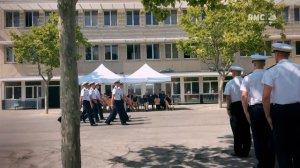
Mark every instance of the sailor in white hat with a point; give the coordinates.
(251, 89)
(239, 124)
(281, 102)
(86, 104)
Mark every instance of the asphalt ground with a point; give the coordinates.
(197, 136)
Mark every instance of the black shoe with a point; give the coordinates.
(94, 124)
(125, 124)
(107, 123)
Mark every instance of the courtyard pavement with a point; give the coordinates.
(196, 136)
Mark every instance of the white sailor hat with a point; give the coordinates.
(236, 68)
(258, 57)
(118, 81)
(84, 83)
(282, 47)
(91, 83)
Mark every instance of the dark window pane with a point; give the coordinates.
(28, 18)
(174, 51)
(87, 19)
(107, 53)
(88, 53)
(156, 51)
(297, 47)
(17, 92)
(206, 87)
(137, 52)
(174, 17)
(149, 51)
(168, 20)
(168, 51)
(114, 18)
(8, 93)
(297, 14)
(286, 14)
(148, 18)
(115, 52)
(35, 18)
(186, 55)
(94, 18)
(95, 53)
(16, 19)
(129, 17)
(155, 22)
(9, 19)
(107, 18)
(136, 17)
(29, 92)
(195, 88)
(130, 53)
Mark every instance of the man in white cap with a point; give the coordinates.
(86, 104)
(239, 124)
(251, 89)
(281, 102)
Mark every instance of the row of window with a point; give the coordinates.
(111, 52)
(90, 18)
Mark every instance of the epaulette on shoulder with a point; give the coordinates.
(271, 67)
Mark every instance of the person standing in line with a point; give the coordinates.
(86, 104)
(117, 105)
(251, 89)
(99, 100)
(239, 124)
(94, 102)
(281, 102)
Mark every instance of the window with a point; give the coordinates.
(90, 18)
(269, 48)
(186, 56)
(298, 48)
(12, 19)
(92, 53)
(111, 52)
(210, 85)
(33, 89)
(171, 51)
(31, 19)
(133, 17)
(150, 19)
(135, 88)
(12, 90)
(191, 89)
(110, 18)
(297, 13)
(133, 52)
(153, 51)
(286, 14)
(172, 19)
(10, 57)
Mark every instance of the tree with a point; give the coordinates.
(70, 125)
(41, 47)
(218, 31)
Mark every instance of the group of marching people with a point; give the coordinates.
(268, 101)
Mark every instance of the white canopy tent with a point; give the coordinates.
(101, 75)
(146, 74)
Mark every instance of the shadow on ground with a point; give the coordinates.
(178, 156)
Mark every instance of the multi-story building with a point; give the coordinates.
(124, 37)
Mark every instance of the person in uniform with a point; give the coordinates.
(86, 104)
(281, 102)
(99, 100)
(117, 105)
(239, 124)
(251, 89)
(93, 100)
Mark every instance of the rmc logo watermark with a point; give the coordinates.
(262, 17)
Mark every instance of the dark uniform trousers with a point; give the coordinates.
(87, 112)
(286, 132)
(262, 137)
(124, 113)
(96, 110)
(117, 109)
(100, 110)
(241, 130)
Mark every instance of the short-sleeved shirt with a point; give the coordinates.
(84, 93)
(97, 93)
(233, 89)
(284, 78)
(92, 93)
(253, 86)
(117, 92)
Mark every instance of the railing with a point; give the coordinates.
(23, 104)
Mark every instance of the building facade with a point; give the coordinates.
(124, 37)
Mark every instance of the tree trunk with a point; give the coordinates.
(220, 98)
(46, 98)
(70, 125)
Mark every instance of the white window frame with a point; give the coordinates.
(153, 19)
(13, 56)
(210, 88)
(111, 53)
(172, 54)
(132, 18)
(13, 92)
(110, 18)
(92, 53)
(12, 19)
(152, 56)
(134, 51)
(90, 17)
(32, 18)
(169, 18)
